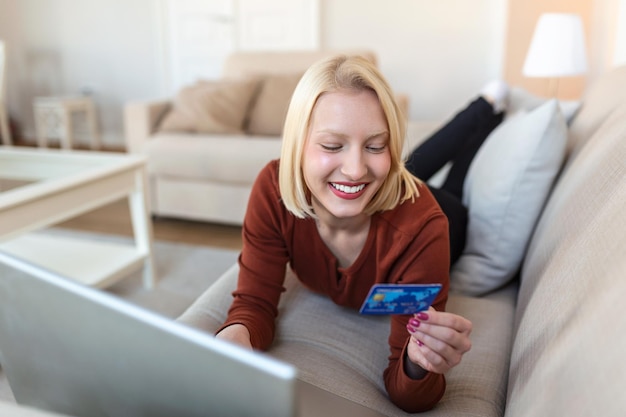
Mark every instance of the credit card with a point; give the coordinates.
(399, 298)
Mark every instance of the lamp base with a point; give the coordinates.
(553, 87)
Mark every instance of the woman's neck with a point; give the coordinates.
(345, 238)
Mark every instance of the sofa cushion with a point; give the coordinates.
(229, 159)
(211, 107)
(343, 352)
(570, 317)
(269, 108)
(505, 190)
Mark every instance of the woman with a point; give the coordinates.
(341, 208)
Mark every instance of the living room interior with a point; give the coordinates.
(119, 55)
(61, 49)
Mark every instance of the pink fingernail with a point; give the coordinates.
(410, 328)
(419, 343)
(414, 323)
(422, 316)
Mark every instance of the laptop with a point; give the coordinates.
(75, 350)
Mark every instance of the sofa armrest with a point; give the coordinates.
(140, 121)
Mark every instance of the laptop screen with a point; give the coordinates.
(76, 350)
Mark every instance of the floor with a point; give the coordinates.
(115, 219)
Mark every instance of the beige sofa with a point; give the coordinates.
(206, 146)
(551, 342)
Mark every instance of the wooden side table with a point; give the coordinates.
(54, 119)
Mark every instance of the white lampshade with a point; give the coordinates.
(557, 48)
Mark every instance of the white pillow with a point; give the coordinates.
(505, 190)
(520, 100)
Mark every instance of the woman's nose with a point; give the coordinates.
(354, 167)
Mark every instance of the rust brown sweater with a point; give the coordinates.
(407, 245)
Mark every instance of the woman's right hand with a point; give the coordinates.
(236, 333)
(438, 340)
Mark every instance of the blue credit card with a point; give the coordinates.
(399, 298)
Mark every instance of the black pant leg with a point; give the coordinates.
(445, 144)
(456, 213)
(461, 163)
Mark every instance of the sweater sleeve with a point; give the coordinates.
(262, 263)
(411, 395)
(425, 261)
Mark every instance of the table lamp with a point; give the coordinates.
(557, 49)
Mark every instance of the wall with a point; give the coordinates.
(439, 53)
(620, 36)
(111, 48)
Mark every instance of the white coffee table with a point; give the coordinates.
(51, 186)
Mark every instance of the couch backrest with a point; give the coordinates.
(570, 331)
(603, 97)
(241, 64)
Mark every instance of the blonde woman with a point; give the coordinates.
(343, 211)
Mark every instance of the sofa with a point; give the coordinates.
(548, 338)
(206, 145)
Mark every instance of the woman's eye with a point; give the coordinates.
(331, 148)
(377, 148)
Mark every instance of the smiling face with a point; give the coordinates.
(346, 156)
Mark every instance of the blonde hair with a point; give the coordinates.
(330, 75)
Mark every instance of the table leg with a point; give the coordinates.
(93, 126)
(67, 132)
(40, 126)
(142, 227)
(5, 128)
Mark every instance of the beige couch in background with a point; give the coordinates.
(549, 342)
(206, 146)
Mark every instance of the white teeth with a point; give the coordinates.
(348, 190)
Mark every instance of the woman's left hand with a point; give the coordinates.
(438, 340)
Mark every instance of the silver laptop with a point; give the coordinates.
(72, 349)
(79, 351)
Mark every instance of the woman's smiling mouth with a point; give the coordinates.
(347, 192)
